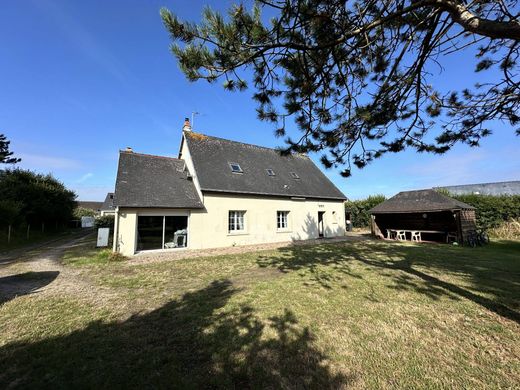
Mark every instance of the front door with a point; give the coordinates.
(320, 223)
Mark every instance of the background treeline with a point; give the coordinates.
(34, 201)
(499, 214)
(358, 209)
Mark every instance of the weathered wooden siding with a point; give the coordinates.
(468, 222)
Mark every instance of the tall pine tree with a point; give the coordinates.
(356, 76)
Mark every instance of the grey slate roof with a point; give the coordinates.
(500, 188)
(88, 204)
(211, 157)
(108, 204)
(151, 181)
(418, 201)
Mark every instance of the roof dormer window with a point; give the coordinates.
(294, 175)
(270, 172)
(235, 168)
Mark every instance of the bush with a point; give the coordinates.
(105, 221)
(83, 212)
(358, 210)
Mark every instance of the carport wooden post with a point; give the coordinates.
(460, 235)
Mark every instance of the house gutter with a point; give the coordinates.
(116, 228)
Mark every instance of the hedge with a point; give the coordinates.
(491, 210)
(358, 210)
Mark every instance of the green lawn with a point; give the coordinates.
(370, 314)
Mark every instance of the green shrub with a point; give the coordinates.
(358, 210)
(83, 212)
(105, 221)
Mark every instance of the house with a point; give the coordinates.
(499, 188)
(90, 205)
(107, 208)
(220, 193)
(429, 212)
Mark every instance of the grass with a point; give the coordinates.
(370, 314)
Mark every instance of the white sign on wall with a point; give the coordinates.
(102, 237)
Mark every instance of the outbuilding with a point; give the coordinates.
(423, 215)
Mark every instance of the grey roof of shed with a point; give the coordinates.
(144, 180)
(211, 158)
(419, 201)
(108, 204)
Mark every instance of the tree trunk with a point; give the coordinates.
(28, 229)
(9, 234)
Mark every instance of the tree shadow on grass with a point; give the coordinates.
(193, 342)
(493, 271)
(22, 284)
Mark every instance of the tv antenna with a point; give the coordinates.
(193, 119)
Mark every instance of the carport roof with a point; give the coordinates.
(419, 201)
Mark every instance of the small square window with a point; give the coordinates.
(270, 172)
(294, 175)
(235, 168)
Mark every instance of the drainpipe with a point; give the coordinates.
(116, 228)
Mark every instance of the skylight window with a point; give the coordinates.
(294, 175)
(235, 168)
(270, 172)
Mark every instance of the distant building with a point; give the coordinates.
(107, 208)
(91, 205)
(500, 188)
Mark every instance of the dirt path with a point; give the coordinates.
(40, 271)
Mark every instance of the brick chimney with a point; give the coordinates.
(187, 125)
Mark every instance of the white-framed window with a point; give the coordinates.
(270, 172)
(294, 175)
(235, 167)
(236, 221)
(282, 220)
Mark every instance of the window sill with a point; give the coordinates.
(283, 231)
(238, 233)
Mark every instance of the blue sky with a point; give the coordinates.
(82, 79)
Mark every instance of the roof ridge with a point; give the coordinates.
(479, 184)
(245, 143)
(150, 155)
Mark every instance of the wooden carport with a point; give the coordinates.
(426, 211)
